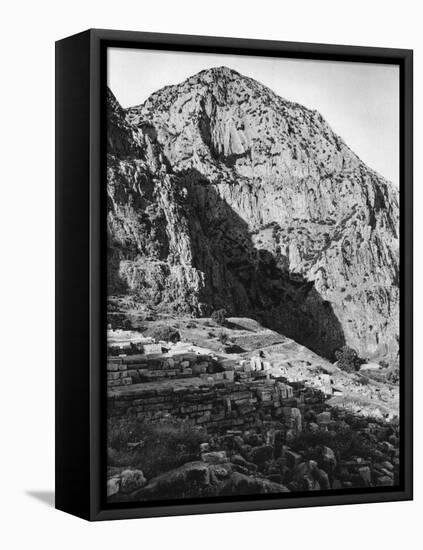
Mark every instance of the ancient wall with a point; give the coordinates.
(133, 369)
(213, 402)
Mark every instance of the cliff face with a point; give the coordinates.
(222, 194)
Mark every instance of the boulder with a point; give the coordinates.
(240, 469)
(260, 455)
(204, 447)
(328, 457)
(131, 480)
(113, 486)
(218, 471)
(309, 477)
(240, 484)
(387, 447)
(366, 475)
(299, 471)
(253, 439)
(245, 451)
(292, 458)
(215, 457)
(323, 418)
(336, 484)
(189, 480)
(240, 461)
(293, 419)
(384, 481)
(322, 478)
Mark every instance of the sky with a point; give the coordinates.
(360, 101)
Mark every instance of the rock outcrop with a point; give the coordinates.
(223, 194)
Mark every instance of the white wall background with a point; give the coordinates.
(28, 32)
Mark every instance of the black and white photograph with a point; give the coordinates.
(253, 276)
(209, 253)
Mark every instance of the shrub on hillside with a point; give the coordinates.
(393, 376)
(223, 337)
(219, 317)
(152, 448)
(167, 334)
(348, 359)
(364, 380)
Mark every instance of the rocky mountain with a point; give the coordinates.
(223, 194)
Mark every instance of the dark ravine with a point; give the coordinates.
(222, 194)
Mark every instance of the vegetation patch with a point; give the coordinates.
(219, 317)
(348, 359)
(152, 448)
(167, 334)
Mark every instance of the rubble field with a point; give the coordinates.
(267, 415)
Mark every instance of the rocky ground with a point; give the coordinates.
(328, 450)
(336, 430)
(366, 391)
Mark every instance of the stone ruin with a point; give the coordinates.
(254, 419)
(215, 392)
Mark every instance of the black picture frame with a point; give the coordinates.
(80, 270)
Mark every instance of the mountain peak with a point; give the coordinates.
(219, 72)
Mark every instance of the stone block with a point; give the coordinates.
(187, 370)
(112, 367)
(323, 418)
(260, 455)
(214, 457)
(199, 368)
(204, 417)
(366, 475)
(292, 458)
(387, 447)
(205, 407)
(113, 486)
(189, 409)
(217, 416)
(240, 395)
(229, 375)
(384, 481)
(131, 480)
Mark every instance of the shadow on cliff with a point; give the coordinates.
(253, 282)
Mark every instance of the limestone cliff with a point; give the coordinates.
(223, 194)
